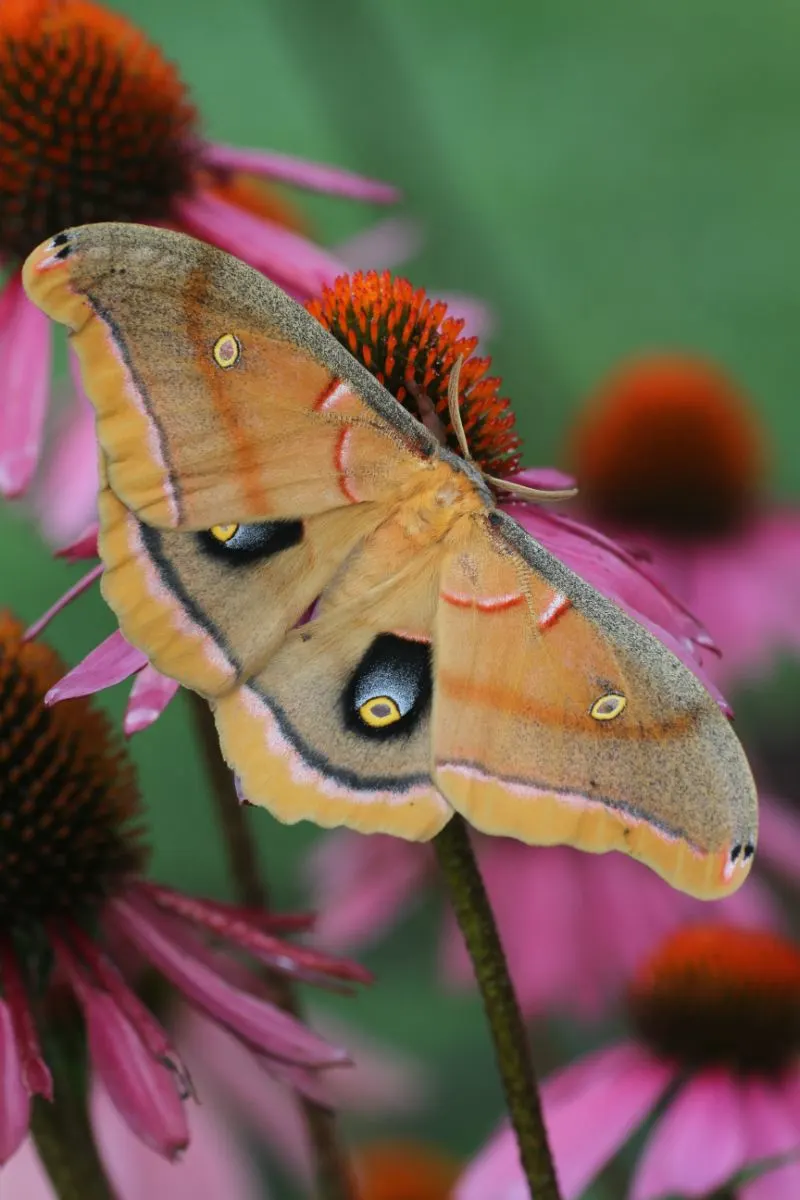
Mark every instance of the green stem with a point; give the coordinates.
(333, 1176)
(64, 1139)
(476, 920)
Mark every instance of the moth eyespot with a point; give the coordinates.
(227, 351)
(379, 711)
(608, 707)
(223, 533)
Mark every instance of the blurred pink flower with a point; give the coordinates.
(671, 460)
(237, 1097)
(574, 926)
(145, 160)
(717, 1038)
(73, 892)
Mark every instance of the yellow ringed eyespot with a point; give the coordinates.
(608, 707)
(379, 711)
(223, 533)
(227, 351)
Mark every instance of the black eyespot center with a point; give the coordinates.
(252, 543)
(389, 692)
(736, 851)
(60, 239)
(749, 851)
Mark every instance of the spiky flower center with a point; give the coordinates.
(669, 446)
(410, 345)
(95, 124)
(69, 805)
(715, 996)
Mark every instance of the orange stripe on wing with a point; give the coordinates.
(339, 456)
(555, 609)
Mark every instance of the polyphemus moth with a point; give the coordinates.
(252, 469)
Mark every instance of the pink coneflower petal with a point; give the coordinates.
(360, 883)
(34, 1071)
(67, 497)
(150, 694)
(772, 1122)
(587, 1124)
(382, 247)
(213, 1167)
(83, 584)
(290, 259)
(591, 1108)
(699, 1143)
(25, 349)
(84, 545)
(256, 1021)
(142, 1090)
(315, 177)
(779, 835)
(15, 1102)
(109, 663)
(548, 478)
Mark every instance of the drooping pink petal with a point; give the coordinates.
(109, 663)
(382, 247)
(213, 1167)
(478, 317)
(379, 1083)
(143, 1088)
(25, 352)
(591, 1108)
(359, 883)
(67, 494)
(15, 1101)
(144, 1091)
(84, 545)
(230, 923)
(546, 478)
(150, 694)
(287, 257)
(77, 589)
(255, 1020)
(699, 1143)
(315, 177)
(35, 1073)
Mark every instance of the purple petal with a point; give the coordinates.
(143, 1091)
(256, 1021)
(698, 1144)
(15, 1104)
(478, 318)
(25, 352)
(215, 1165)
(288, 257)
(77, 589)
(84, 546)
(67, 495)
(315, 177)
(150, 695)
(383, 246)
(546, 478)
(109, 663)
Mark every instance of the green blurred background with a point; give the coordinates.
(609, 178)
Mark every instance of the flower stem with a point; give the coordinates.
(334, 1180)
(63, 1136)
(476, 920)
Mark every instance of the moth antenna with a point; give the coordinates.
(454, 410)
(530, 493)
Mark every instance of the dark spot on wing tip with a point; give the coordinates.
(495, 518)
(60, 239)
(749, 851)
(736, 851)
(63, 253)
